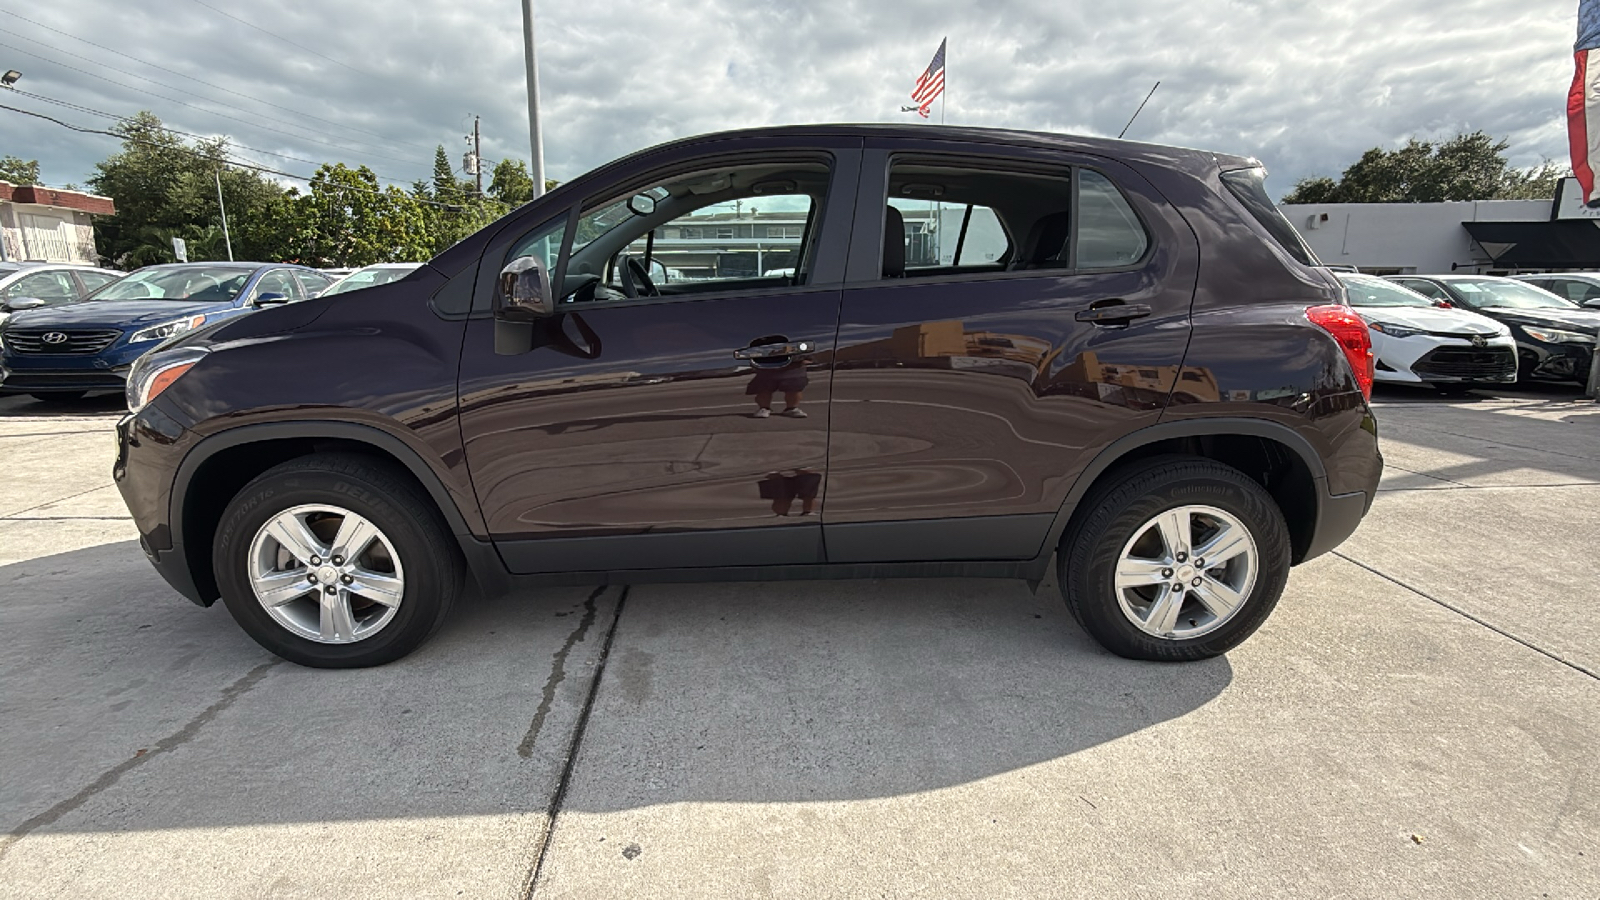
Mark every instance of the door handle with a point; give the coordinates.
(1114, 313)
(768, 351)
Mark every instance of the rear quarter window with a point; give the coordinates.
(1248, 186)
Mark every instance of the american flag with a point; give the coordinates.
(931, 84)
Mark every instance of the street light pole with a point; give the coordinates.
(225, 238)
(535, 140)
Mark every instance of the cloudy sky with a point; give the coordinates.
(1303, 86)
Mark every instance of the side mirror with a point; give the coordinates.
(641, 204)
(523, 297)
(271, 298)
(524, 293)
(18, 304)
(1443, 304)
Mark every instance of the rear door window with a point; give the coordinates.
(963, 218)
(1109, 233)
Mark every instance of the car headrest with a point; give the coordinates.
(894, 243)
(1047, 241)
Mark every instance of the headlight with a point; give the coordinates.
(155, 372)
(167, 329)
(1557, 336)
(1393, 330)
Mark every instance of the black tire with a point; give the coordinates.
(1122, 504)
(372, 489)
(59, 396)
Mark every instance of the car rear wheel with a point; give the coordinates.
(336, 561)
(1175, 559)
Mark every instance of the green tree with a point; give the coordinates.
(1467, 167)
(165, 188)
(348, 220)
(511, 184)
(19, 171)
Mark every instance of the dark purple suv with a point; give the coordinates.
(818, 352)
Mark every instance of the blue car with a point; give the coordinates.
(65, 351)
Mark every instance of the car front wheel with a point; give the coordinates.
(335, 561)
(1175, 559)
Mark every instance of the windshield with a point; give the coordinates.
(205, 284)
(366, 278)
(1364, 290)
(1507, 294)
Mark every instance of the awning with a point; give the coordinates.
(1571, 244)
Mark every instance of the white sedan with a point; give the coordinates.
(371, 276)
(1417, 341)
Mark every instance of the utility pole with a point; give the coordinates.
(226, 239)
(536, 142)
(477, 155)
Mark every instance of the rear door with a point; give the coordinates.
(682, 428)
(1007, 315)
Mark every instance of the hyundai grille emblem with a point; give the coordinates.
(55, 337)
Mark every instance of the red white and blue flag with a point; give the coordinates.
(931, 84)
(1583, 101)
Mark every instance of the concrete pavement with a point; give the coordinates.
(1419, 717)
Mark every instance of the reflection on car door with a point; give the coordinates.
(628, 437)
(967, 398)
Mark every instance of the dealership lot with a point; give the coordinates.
(1421, 716)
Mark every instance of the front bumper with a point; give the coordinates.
(47, 381)
(150, 446)
(1556, 362)
(1437, 359)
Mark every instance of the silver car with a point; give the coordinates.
(30, 285)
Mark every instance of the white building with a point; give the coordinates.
(47, 225)
(1482, 236)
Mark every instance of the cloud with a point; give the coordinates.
(1304, 87)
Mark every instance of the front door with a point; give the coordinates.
(1019, 313)
(674, 412)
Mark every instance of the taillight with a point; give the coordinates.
(1351, 332)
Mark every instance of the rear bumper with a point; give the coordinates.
(1338, 516)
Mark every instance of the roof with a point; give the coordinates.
(1564, 244)
(93, 204)
(1137, 150)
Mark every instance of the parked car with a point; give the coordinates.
(532, 408)
(371, 276)
(1555, 337)
(31, 285)
(66, 351)
(1582, 288)
(1419, 340)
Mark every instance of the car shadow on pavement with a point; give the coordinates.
(109, 403)
(128, 708)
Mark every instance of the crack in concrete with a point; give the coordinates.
(26, 509)
(1466, 615)
(110, 777)
(558, 673)
(559, 798)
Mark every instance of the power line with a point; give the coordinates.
(201, 108)
(226, 159)
(201, 80)
(199, 137)
(286, 40)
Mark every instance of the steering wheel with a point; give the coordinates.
(636, 278)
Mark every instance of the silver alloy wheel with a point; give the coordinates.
(1186, 572)
(326, 574)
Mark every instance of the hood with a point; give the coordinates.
(121, 314)
(1431, 318)
(1586, 321)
